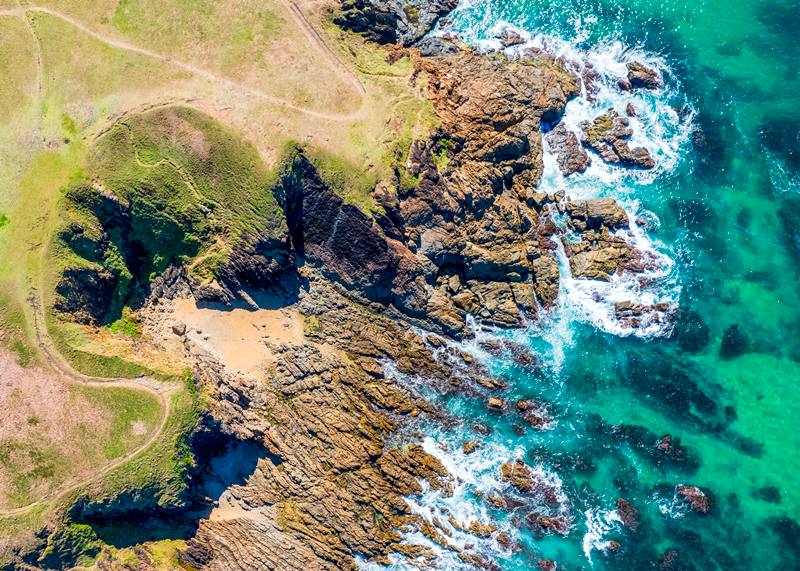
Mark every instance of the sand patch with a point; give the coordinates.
(138, 428)
(240, 337)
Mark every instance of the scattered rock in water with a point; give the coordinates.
(510, 38)
(179, 328)
(548, 524)
(631, 519)
(629, 110)
(471, 446)
(535, 414)
(734, 342)
(696, 498)
(607, 136)
(666, 452)
(643, 77)
(496, 405)
(520, 476)
(570, 154)
(691, 332)
(546, 565)
(613, 545)
(625, 85)
(634, 315)
(491, 346)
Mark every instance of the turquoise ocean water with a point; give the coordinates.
(722, 213)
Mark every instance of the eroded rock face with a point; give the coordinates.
(571, 156)
(393, 21)
(321, 418)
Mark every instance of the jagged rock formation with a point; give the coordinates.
(327, 487)
(393, 21)
(607, 135)
(571, 156)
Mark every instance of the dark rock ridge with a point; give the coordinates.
(392, 21)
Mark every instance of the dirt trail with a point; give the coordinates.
(196, 70)
(317, 39)
(160, 389)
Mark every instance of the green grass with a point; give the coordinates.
(193, 190)
(346, 178)
(68, 343)
(123, 407)
(16, 331)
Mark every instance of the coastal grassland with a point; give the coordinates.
(18, 64)
(257, 44)
(155, 479)
(55, 432)
(84, 78)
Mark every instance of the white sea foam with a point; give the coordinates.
(657, 126)
(598, 524)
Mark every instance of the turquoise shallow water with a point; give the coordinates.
(723, 212)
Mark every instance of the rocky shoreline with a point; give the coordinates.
(464, 232)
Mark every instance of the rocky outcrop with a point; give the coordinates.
(85, 294)
(607, 136)
(599, 255)
(327, 484)
(571, 156)
(642, 76)
(392, 21)
(696, 498)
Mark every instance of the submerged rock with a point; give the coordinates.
(696, 498)
(734, 342)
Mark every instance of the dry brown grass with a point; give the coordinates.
(54, 432)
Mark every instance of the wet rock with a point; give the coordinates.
(613, 545)
(595, 213)
(548, 524)
(546, 565)
(624, 85)
(696, 498)
(629, 110)
(734, 342)
(535, 413)
(629, 515)
(641, 76)
(607, 135)
(496, 405)
(570, 154)
(510, 38)
(631, 314)
(471, 446)
(599, 256)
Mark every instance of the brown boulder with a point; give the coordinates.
(496, 404)
(641, 76)
(510, 38)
